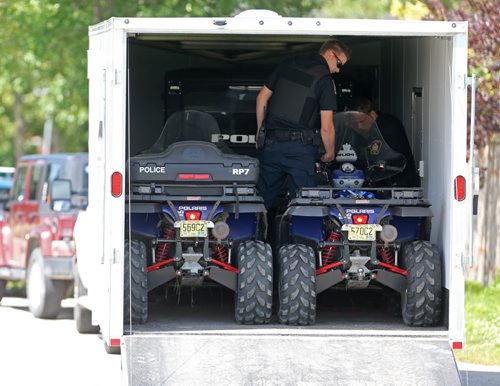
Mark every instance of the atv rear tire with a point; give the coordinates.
(421, 303)
(135, 298)
(254, 295)
(297, 285)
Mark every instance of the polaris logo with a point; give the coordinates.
(234, 138)
(367, 211)
(152, 169)
(241, 172)
(192, 208)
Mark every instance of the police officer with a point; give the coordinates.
(394, 134)
(298, 90)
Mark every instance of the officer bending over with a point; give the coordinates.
(288, 105)
(394, 134)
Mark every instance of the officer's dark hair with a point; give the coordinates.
(362, 104)
(337, 46)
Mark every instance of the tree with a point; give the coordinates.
(484, 40)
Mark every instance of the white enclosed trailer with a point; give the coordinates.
(416, 70)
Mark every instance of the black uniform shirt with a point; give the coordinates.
(324, 91)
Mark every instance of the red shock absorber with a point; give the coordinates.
(220, 253)
(386, 255)
(162, 249)
(328, 251)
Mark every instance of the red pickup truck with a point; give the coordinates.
(36, 227)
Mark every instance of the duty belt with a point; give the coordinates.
(306, 136)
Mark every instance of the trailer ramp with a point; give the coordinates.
(288, 356)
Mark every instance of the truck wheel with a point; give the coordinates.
(421, 303)
(254, 295)
(3, 284)
(297, 285)
(135, 298)
(44, 294)
(81, 315)
(113, 350)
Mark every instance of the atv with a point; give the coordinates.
(194, 218)
(357, 231)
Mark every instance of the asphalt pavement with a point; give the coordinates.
(51, 352)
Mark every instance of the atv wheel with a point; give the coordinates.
(421, 303)
(135, 298)
(44, 294)
(254, 295)
(297, 285)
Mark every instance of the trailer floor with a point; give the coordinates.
(355, 340)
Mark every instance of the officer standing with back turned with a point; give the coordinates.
(299, 89)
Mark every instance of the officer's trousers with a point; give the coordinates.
(281, 159)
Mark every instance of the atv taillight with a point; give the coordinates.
(192, 215)
(194, 177)
(360, 219)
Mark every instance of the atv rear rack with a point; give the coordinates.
(383, 196)
(162, 192)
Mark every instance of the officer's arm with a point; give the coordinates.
(261, 105)
(328, 135)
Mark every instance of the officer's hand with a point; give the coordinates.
(328, 157)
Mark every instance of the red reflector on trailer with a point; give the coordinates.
(460, 188)
(114, 342)
(194, 177)
(192, 215)
(116, 184)
(360, 219)
(457, 345)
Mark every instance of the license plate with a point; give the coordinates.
(365, 232)
(193, 229)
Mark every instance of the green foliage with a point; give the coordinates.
(482, 319)
(409, 10)
(356, 9)
(484, 40)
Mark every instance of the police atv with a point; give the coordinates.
(194, 218)
(356, 233)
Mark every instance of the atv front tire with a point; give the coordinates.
(421, 303)
(254, 295)
(297, 285)
(136, 283)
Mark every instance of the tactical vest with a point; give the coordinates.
(293, 98)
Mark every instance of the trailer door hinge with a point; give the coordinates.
(118, 77)
(116, 256)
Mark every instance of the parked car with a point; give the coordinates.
(36, 231)
(6, 179)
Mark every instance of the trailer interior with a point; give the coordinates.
(222, 74)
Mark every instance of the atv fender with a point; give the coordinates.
(308, 211)
(143, 207)
(245, 208)
(411, 211)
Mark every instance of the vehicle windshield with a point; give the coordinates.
(358, 136)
